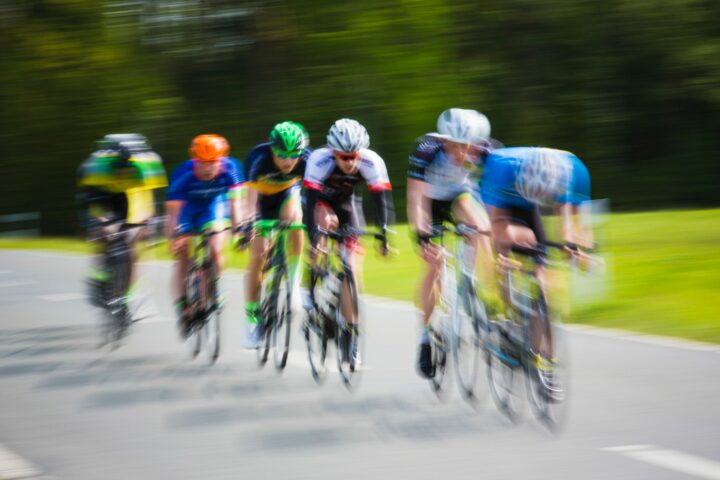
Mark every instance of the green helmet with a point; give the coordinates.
(288, 138)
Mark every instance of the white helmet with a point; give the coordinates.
(543, 176)
(463, 126)
(347, 135)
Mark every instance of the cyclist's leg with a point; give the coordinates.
(187, 225)
(267, 210)
(217, 221)
(291, 211)
(430, 287)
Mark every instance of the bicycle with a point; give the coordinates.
(203, 297)
(511, 345)
(275, 294)
(463, 311)
(332, 285)
(112, 294)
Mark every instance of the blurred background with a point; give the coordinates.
(632, 87)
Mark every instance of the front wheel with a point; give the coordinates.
(504, 372)
(548, 378)
(348, 340)
(281, 330)
(211, 329)
(469, 315)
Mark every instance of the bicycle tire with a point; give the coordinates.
(283, 320)
(439, 357)
(194, 280)
(504, 373)
(266, 321)
(549, 408)
(117, 313)
(212, 325)
(347, 338)
(316, 338)
(467, 340)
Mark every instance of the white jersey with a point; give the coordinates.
(323, 174)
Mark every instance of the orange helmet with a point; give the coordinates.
(209, 148)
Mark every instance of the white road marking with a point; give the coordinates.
(17, 283)
(671, 459)
(13, 466)
(62, 297)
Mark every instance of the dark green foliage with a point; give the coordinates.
(630, 86)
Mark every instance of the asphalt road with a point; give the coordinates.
(640, 408)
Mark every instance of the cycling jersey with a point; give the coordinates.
(265, 177)
(205, 201)
(323, 175)
(326, 182)
(570, 182)
(447, 180)
(119, 190)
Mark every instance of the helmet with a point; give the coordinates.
(463, 126)
(209, 148)
(542, 176)
(347, 135)
(289, 138)
(124, 145)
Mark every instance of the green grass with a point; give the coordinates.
(663, 272)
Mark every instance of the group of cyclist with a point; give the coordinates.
(458, 174)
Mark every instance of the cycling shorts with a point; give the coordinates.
(269, 206)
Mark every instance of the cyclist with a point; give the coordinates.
(515, 183)
(274, 171)
(116, 187)
(201, 198)
(333, 172)
(440, 188)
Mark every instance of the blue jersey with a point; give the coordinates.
(524, 177)
(184, 185)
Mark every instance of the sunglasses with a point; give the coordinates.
(287, 155)
(347, 157)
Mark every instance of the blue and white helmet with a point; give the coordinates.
(463, 126)
(347, 135)
(543, 176)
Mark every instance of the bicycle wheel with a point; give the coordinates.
(118, 315)
(211, 327)
(193, 284)
(504, 372)
(439, 356)
(467, 339)
(265, 323)
(547, 384)
(348, 340)
(316, 338)
(281, 329)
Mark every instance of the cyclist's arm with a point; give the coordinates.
(383, 206)
(250, 204)
(172, 209)
(312, 194)
(418, 205)
(235, 199)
